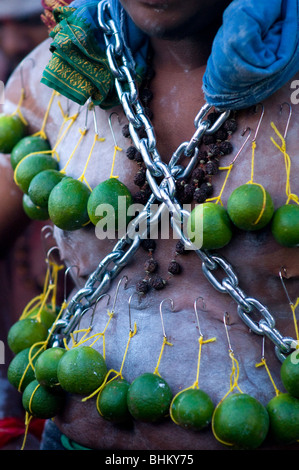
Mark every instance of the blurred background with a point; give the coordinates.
(21, 30)
(24, 24)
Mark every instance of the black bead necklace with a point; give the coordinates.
(196, 188)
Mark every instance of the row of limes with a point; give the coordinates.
(48, 192)
(250, 208)
(44, 375)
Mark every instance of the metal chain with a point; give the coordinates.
(125, 249)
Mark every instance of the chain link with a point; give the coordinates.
(164, 192)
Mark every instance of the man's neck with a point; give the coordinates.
(182, 55)
(185, 53)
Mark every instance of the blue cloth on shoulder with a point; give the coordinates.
(254, 53)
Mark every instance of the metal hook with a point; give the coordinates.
(21, 72)
(161, 315)
(129, 303)
(48, 262)
(111, 128)
(289, 117)
(225, 318)
(196, 313)
(117, 289)
(284, 287)
(65, 279)
(259, 122)
(86, 118)
(263, 347)
(243, 145)
(44, 236)
(94, 119)
(95, 306)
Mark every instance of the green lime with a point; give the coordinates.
(46, 367)
(41, 186)
(33, 211)
(40, 402)
(12, 130)
(149, 398)
(250, 207)
(112, 401)
(283, 411)
(285, 225)
(109, 192)
(25, 333)
(192, 409)
(209, 226)
(47, 314)
(30, 166)
(20, 372)
(27, 145)
(289, 373)
(241, 421)
(67, 204)
(81, 370)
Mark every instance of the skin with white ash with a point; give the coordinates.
(256, 257)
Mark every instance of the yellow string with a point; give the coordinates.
(264, 363)
(253, 147)
(117, 374)
(116, 149)
(287, 160)
(28, 419)
(86, 338)
(18, 108)
(201, 341)
(53, 151)
(234, 376)
(61, 134)
(165, 342)
(42, 132)
(293, 308)
(82, 134)
(82, 177)
(218, 198)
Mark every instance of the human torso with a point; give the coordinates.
(256, 258)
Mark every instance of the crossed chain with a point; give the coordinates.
(100, 280)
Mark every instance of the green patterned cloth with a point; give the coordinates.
(78, 68)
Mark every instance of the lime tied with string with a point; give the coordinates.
(241, 421)
(285, 225)
(21, 370)
(30, 166)
(110, 192)
(13, 127)
(81, 370)
(28, 145)
(209, 226)
(193, 408)
(149, 398)
(26, 332)
(12, 130)
(250, 207)
(46, 367)
(283, 411)
(289, 373)
(41, 186)
(67, 204)
(33, 211)
(112, 401)
(40, 402)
